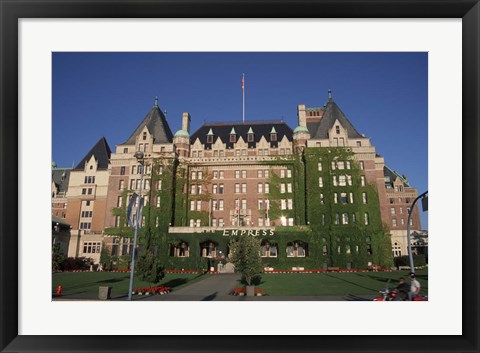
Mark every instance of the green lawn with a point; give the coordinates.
(361, 283)
(88, 282)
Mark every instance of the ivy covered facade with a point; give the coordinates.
(315, 196)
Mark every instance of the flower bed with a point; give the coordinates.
(241, 291)
(152, 290)
(325, 271)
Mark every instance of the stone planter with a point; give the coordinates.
(250, 291)
(104, 293)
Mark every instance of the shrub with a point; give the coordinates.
(75, 264)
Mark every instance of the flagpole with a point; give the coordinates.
(243, 97)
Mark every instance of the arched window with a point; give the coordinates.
(268, 250)
(297, 249)
(180, 249)
(208, 249)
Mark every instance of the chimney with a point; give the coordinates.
(186, 122)
(302, 115)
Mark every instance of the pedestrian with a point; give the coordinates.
(402, 289)
(414, 287)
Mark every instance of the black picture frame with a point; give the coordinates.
(12, 10)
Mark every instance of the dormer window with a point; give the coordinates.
(337, 129)
(210, 136)
(250, 135)
(273, 134)
(233, 135)
(144, 136)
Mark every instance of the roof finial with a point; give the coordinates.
(156, 101)
(329, 94)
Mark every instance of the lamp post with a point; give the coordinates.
(412, 268)
(139, 156)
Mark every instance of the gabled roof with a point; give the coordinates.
(102, 153)
(223, 130)
(319, 129)
(156, 124)
(393, 175)
(60, 177)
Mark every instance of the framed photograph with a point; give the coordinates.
(53, 53)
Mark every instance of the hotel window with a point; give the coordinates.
(209, 139)
(199, 189)
(349, 180)
(192, 205)
(199, 205)
(266, 152)
(194, 175)
(342, 180)
(283, 204)
(260, 204)
(359, 144)
(362, 165)
(296, 249)
(268, 250)
(321, 199)
(192, 223)
(233, 138)
(117, 221)
(335, 141)
(341, 165)
(180, 250)
(244, 152)
(348, 164)
(319, 166)
(222, 153)
(159, 185)
(237, 153)
(267, 174)
(125, 150)
(214, 188)
(193, 189)
(323, 219)
(335, 198)
(134, 169)
(222, 173)
(362, 180)
(199, 154)
(407, 200)
(366, 218)
(194, 155)
(273, 137)
(289, 187)
(139, 182)
(259, 173)
(220, 189)
(244, 204)
(343, 197)
(237, 188)
(320, 182)
(411, 222)
(214, 222)
(394, 222)
(344, 218)
(119, 201)
(282, 173)
(290, 204)
(337, 218)
(282, 150)
(392, 200)
(244, 174)
(160, 170)
(260, 152)
(214, 205)
(220, 205)
(342, 141)
(289, 173)
(392, 210)
(324, 250)
(147, 184)
(122, 170)
(288, 151)
(267, 188)
(401, 210)
(354, 218)
(237, 174)
(199, 175)
(215, 174)
(89, 191)
(364, 197)
(337, 129)
(260, 222)
(334, 179)
(244, 188)
(260, 188)
(334, 165)
(132, 184)
(215, 153)
(221, 223)
(199, 223)
(402, 221)
(282, 188)
(250, 137)
(158, 201)
(84, 191)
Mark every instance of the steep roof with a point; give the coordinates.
(393, 175)
(60, 177)
(319, 129)
(156, 124)
(259, 129)
(102, 153)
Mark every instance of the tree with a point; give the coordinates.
(246, 256)
(149, 268)
(57, 257)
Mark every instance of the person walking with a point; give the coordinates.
(414, 287)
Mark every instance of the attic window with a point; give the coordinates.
(233, 138)
(209, 138)
(337, 129)
(144, 137)
(273, 137)
(250, 137)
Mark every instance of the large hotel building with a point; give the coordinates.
(317, 196)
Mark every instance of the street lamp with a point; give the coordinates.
(422, 196)
(140, 158)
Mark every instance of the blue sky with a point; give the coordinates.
(384, 95)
